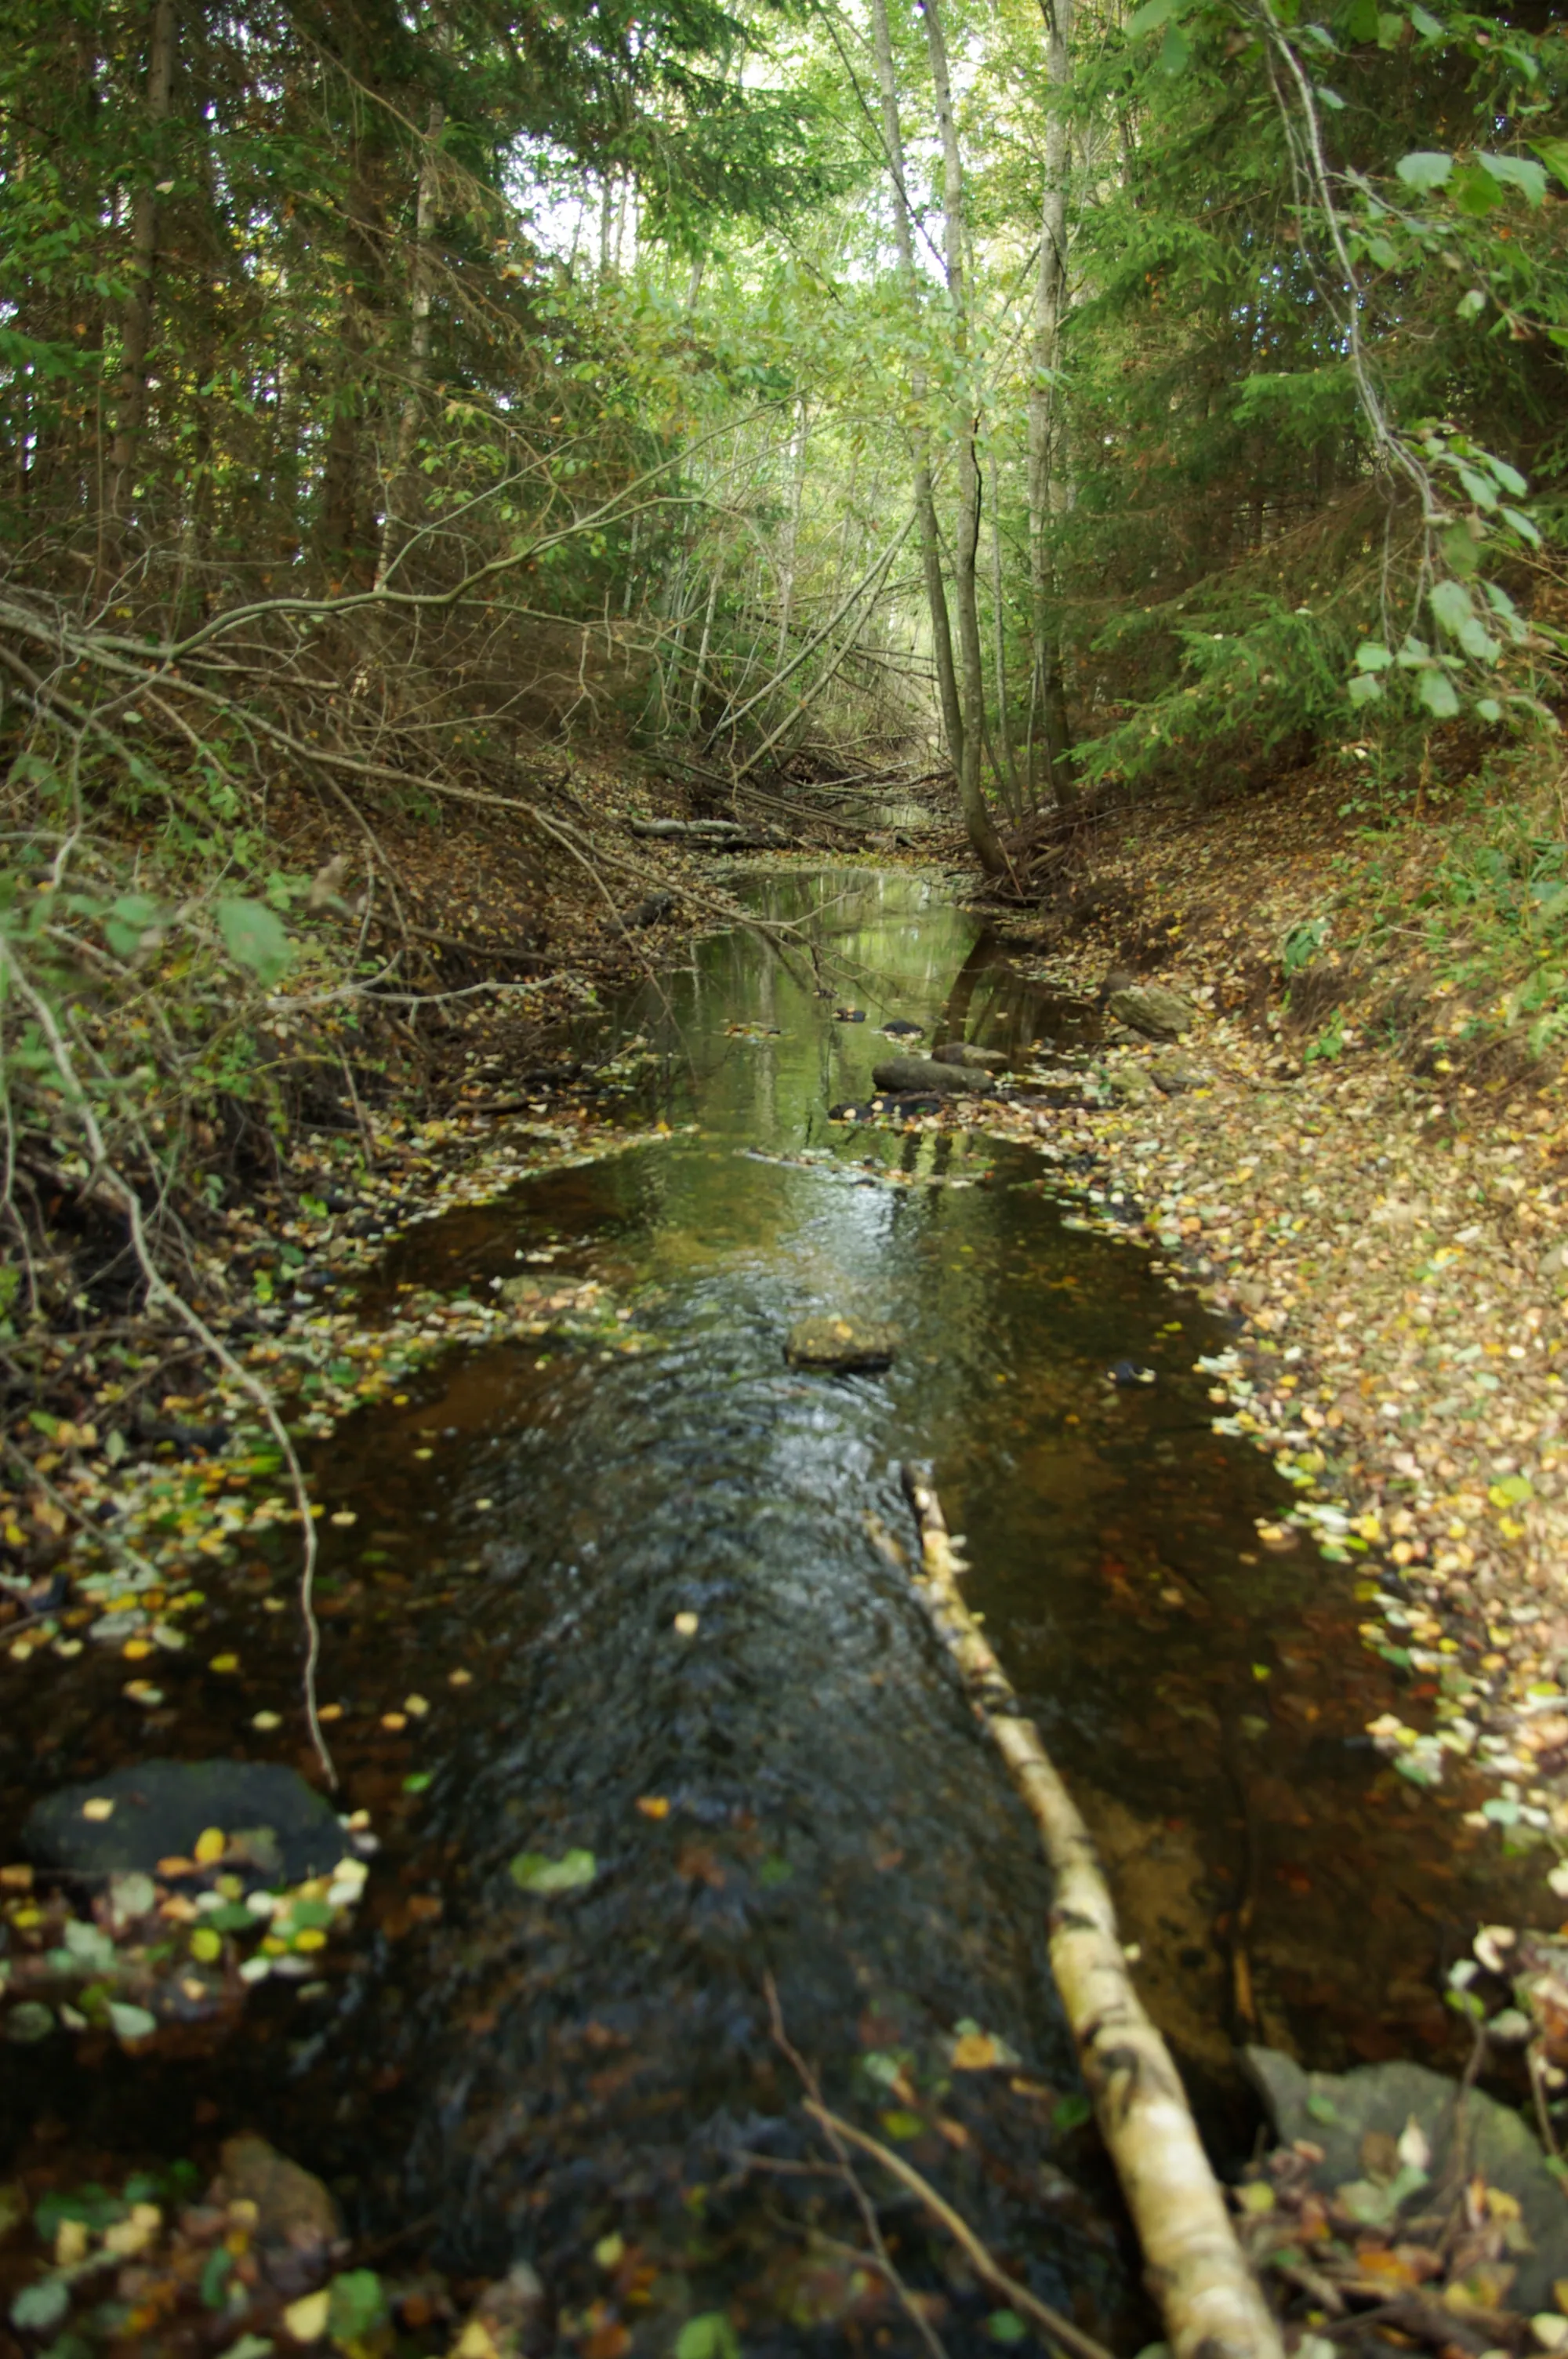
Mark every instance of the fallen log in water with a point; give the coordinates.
(1208, 2297)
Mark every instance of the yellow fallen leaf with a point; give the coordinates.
(458, 1678)
(476, 2341)
(686, 1625)
(653, 1806)
(225, 1663)
(101, 1807)
(976, 2052)
(135, 1650)
(206, 1945)
(395, 1720)
(305, 2320)
(210, 1845)
(416, 1706)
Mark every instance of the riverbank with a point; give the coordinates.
(1363, 1166)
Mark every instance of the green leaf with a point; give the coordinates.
(128, 919)
(1427, 26)
(29, 2023)
(127, 2022)
(1364, 688)
(530, 1871)
(1475, 192)
(1512, 1491)
(1488, 708)
(38, 2306)
(1480, 488)
(1472, 304)
(1477, 641)
(253, 938)
(357, 2307)
(1331, 99)
(1437, 693)
(1151, 16)
(1450, 603)
(1175, 50)
(1424, 168)
(1372, 655)
(1070, 2112)
(1522, 526)
(1006, 2326)
(1554, 154)
(1516, 172)
(709, 2336)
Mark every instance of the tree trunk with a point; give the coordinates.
(136, 320)
(791, 531)
(924, 505)
(1196, 2272)
(1046, 453)
(340, 537)
(403, 484)
(966, 587)
(998, 643)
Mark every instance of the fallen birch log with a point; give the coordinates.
(1207, 2296)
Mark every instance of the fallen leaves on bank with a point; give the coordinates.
(128, 1540)
(252, 2263)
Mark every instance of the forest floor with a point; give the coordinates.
(1364, 1164)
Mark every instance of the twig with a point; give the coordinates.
(1062, 2330)
(863, 2203)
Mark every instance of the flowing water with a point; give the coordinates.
(521, 2073)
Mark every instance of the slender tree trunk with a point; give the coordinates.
(966, 586)
(136, 320)
(402, 486)
(998, 645)
(340, 533)
(792, 530)
(924, 505)
(1046, 441)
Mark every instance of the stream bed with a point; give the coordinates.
(671, 1583)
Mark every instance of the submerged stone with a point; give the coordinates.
(157, 1809)
(839, 1343)
(908, 1074)
(964, 1052)
(1465, 2134)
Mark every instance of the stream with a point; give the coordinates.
(793, 1789)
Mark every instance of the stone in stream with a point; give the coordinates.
(159, 1808)
(899, 1028)
(962, 1052)
(907, 1075)
(1355, 2115)
(839, 1343)
(1149, 1008)
(296, 2229)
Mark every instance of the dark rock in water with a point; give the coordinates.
(297, 2233)
(159, 1807)
(905, 1109)
(839, 1343)
(1340, 2112)
(850, 1112)
(849, 1015)
(1148, 1008)
(899, 1028)
(905, 1075)
(1128, 1372)
(961, 1052)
